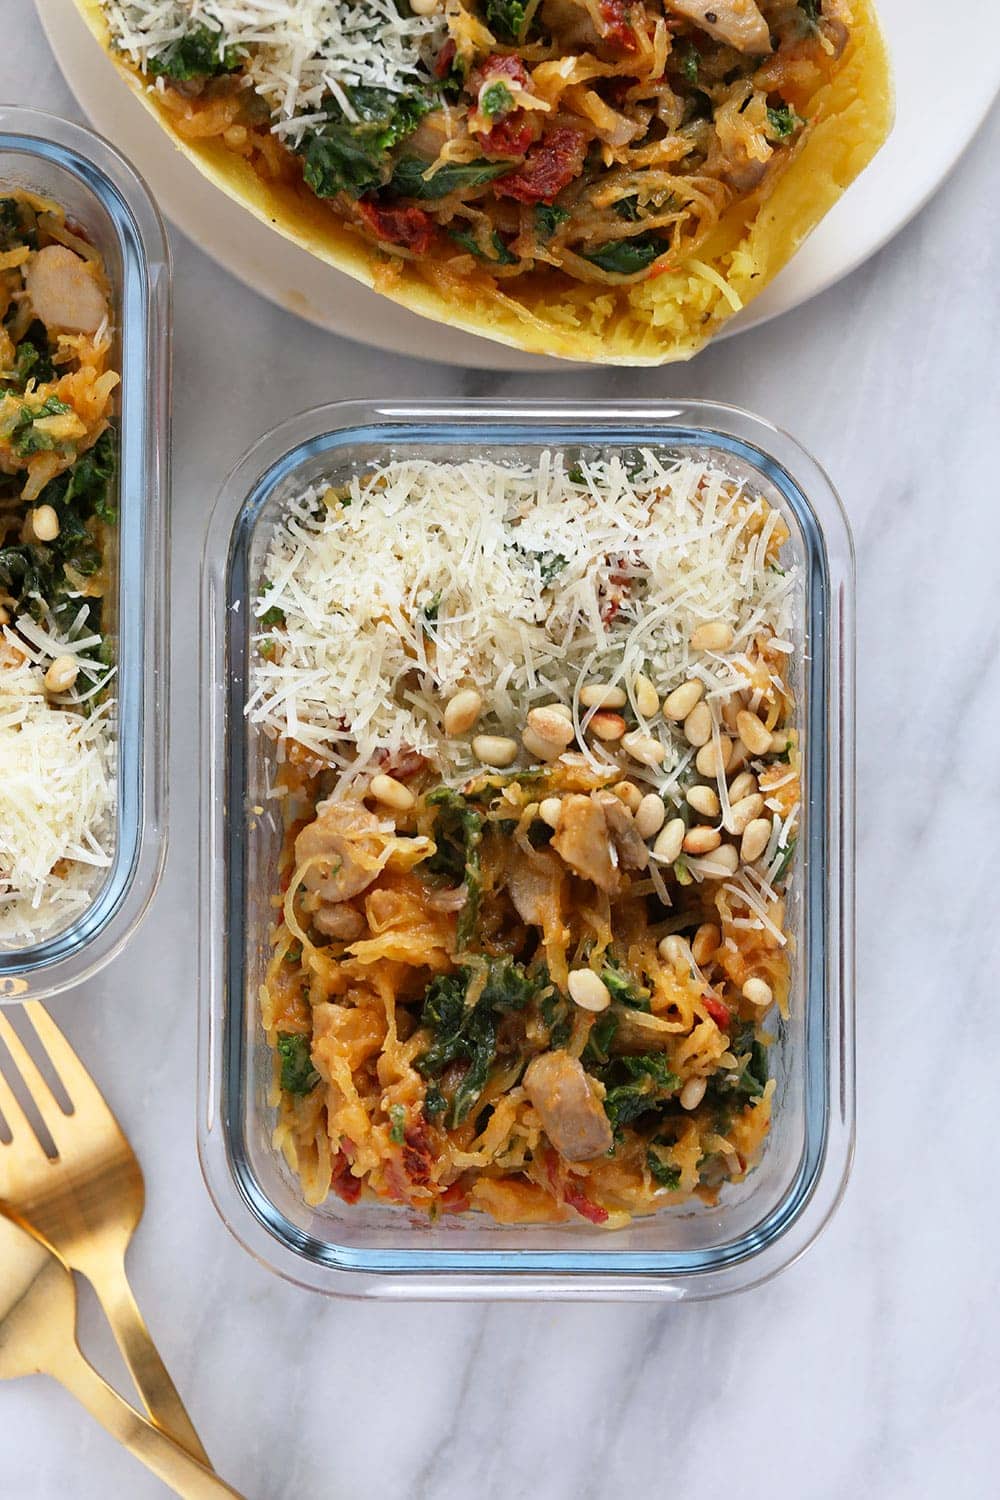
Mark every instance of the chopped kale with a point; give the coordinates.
(501, 254)
(86, 487)
(10, 224)
(554, 1009)
(781, 869)
(547, 219)
(352, 156)
(636, 1085)
(628, 208)
(689, 59)
(458, 832)
(434, 1101)
(273, 616)
(496, 100)
(466, 1032)
(627, 257)
(26, 437)
(506, 19)
(602, 1034)
(623, 987)
(298, 1076)
(408, 180)
(33, 360)
(662, 1173)
(397, 1132)
(196, 55)
(783, 120)
(751, 1079)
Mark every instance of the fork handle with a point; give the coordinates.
(159, 1394)
(182, 1473)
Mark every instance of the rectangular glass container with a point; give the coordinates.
(372, 1249)
(102, 193)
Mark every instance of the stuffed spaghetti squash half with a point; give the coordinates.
(604, 180)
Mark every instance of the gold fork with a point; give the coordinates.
(38, 1337)
(85, 1203)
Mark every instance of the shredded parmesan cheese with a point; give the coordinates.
(57, 780)
(523, 582)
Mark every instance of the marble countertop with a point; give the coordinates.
(870, 1367)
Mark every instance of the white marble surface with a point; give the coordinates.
(870, 1368)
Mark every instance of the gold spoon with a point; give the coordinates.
(38, 1337)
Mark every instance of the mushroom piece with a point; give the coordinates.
(338, 921)
(572, 1116)
(343, 849)
(581, 839)
(631, 847)
(63, 292)
(738, 23)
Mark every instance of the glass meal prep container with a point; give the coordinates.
(371, 1249)
(101, 193)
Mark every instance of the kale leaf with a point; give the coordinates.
(783, 120)
(298, 1076)
(197, 55)
(662, 1173)
(506, 19)
(87, 486)
(352, 156)
(467, 1033)
(753, 1075)
(547, 219)
(408, 180)
(397, 1132)
(33, 360)
(636, 1085)
(501, 256)
(10, 223)
(623, 987)
(26, 438)
(626, 257)
(602, 1034)
(458, 832)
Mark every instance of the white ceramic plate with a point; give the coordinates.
(903, 176)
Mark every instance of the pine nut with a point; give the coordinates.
(743, 812)
(548, 811)
(425, 7)
(540, 749)
(643, 748)
(704, 800)
(731, 710)
(698, 725)
(715, 635)
(755, 840)
(235, 136)
(674, 950)
(44, 523)
(462, 711)
(753, 733)
(712, 760)
(743, 785)
(4, 615)
(62, 674)
(647, 700)
(588, 990)
(549, 726)
(607, 726)
(780, 742)
(693, 1093)
(650, 815)
(701, 840)
(392, 792)
(706, 942)
(720, 862)
(629, 793)
(562, 709)
(494, 749)
(758, 992)
(602, 695)
(670, 841)
(678, 704)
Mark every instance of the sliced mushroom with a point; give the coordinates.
(63, 292)
(534, 883)
(338, 921)
(344, 849)
(632, 851)
(572, 1116)
(581, 839)
(738, 23)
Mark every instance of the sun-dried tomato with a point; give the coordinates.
(445, 58)
(409, 227)
(720, 1013)
(549, 166)
(498, 66)
(617, 28)
(418, 1154)
(343, 1181)
(584, 1205)
(511, 137)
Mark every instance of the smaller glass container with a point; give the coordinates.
(371, 1249)
(102, 193)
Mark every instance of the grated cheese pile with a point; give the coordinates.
(57, 793)
(523, 582)
(298, 51)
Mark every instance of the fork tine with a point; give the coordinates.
(49, 1109)
(17, 1122)
(83, 1093)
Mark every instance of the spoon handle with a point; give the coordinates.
(169, 1462)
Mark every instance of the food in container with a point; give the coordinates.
(696, 1238)
(601, 182)
(83, 420)
(537, 765)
